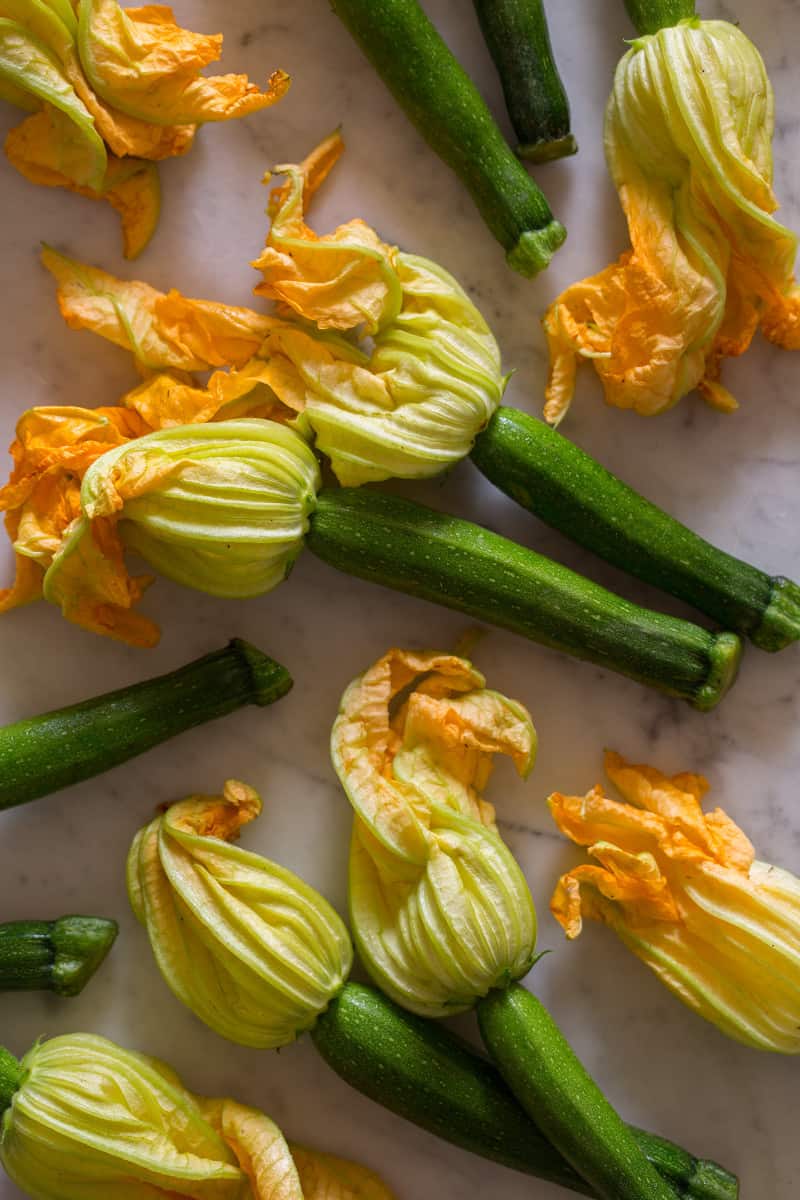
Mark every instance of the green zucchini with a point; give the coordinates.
(516, 34)
(651, 15)
(439, 557)
(442, 102)
(556, 1091)
(422, 1072)
(57, 956)
(42, 754)
(545, 473)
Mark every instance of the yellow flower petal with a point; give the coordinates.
(324, 1177)
(142, 63)
(683, 890)
(340, 280)
(260, 1149)
(688, 140)
(39, 151)
(161, 330)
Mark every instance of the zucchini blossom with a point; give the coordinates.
(110, 91)
(83, 1118)
(253, 951)
(411, 404)
(684, 891)
(688, 140)
(439, 907)
(221, 507)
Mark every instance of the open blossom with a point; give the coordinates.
(688, 140)
(685, 892)
(440, 909)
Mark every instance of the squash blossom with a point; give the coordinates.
(252, 950)
(440, 909)
(83, 1118)
(688, 140)
(110, 91)
(221, 507)
(684, 891)
(411, 403)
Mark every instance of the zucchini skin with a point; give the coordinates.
(45, 753)
(518, 39)
(422, 1072)
(438, 557)
(57, 956)
(556, 1091)
(446, 108)
(569, 490)
(651, 15)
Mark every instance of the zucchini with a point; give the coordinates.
(57, 956)
(555, 1090)
(545, 473)
(516, 34)
(422, 1072)
(42, 754)
(439, 557)
(444, 105)
(651, 15)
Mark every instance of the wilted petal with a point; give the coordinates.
(145, 65)
(325, 1177)
(161, 330)
(683, 890)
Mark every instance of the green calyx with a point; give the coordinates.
(80, 944)
(11, 1077)
(535, 248)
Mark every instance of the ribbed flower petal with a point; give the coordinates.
(683, 890)
(244, 943)
(440, 910)
(688, 141)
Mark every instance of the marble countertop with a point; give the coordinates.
(733, 478)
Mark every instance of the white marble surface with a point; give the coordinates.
(733, 478)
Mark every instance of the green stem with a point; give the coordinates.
(555, 1090)
(651, 15)
(58, 956)
(60, 748)
(10, 1078)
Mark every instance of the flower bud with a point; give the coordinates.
(684, 892)
(440, 909)
(253, 951)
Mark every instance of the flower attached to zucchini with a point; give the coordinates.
(253, 951)
(440, 909)
(83, 1118)
(684, 891)
(689, 146)
(110, 91)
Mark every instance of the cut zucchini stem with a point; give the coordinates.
(651, 15)
(57, 956)
(450, 561)
(569, 490)
(556, 1092)
(52, 751)
(444, 105)
(422, 1072)
(518, 39)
